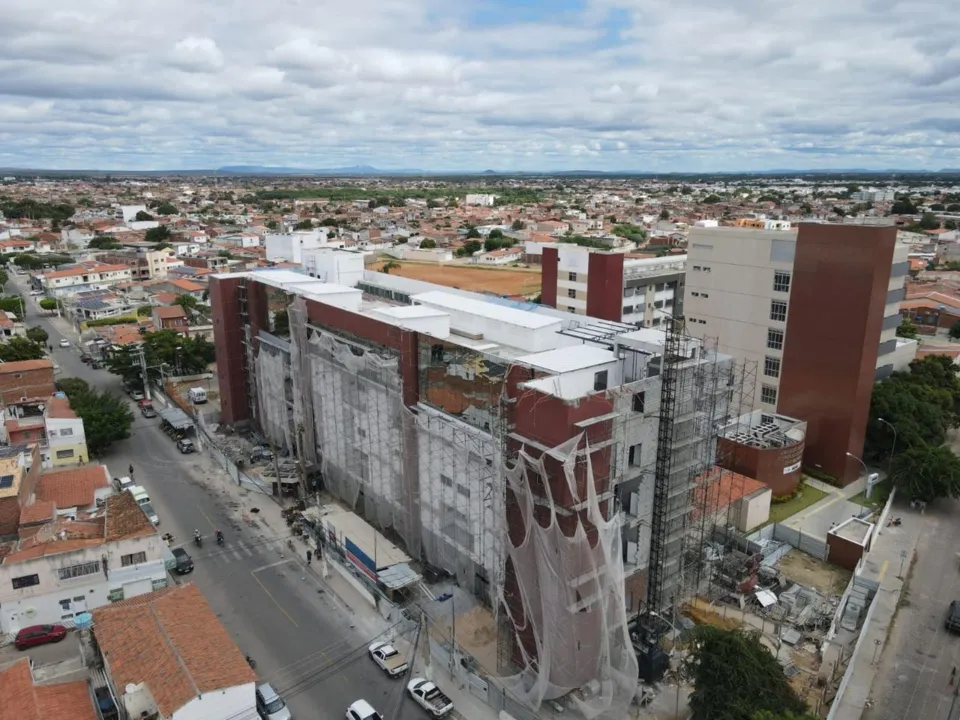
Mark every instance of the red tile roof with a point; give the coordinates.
(169, 313)
(16, 689)
(125, 518)
(22, 700)
(73, 487)
(65, 701)
(26, 365)
(173, 642)
(37, 511)
(718, 488)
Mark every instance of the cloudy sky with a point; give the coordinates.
(646, 85)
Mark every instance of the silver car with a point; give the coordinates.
(270, 706)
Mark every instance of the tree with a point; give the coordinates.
(473, 233)
(18, 348)
(103, 242)
(106, 416)
(49, 304)
(428, 244)
(472, 246)
(903, 206)
(664, 214)
(187, 302)
(157, 235)
(907, 329)
(389, 265)
(4, 278)
(518, 224)
(306, 224)
(72, 385)
(143, 216)
(927, 472)
(272, 224)
(167, 351)
(711, 199)
(955, 330)
(937, 207)
(37, 334)
(953, 207)
(929, 221)
(166, 208)
(950, 224)
(735, 677)
(496, 234)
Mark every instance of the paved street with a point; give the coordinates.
(913, 677)
(300, 637)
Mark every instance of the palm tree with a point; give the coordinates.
(390, 265)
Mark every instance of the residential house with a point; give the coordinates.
(498, 257)
(19, 472)
(25, 380)
(170, 317)
(65, 565)
(243, 240)
(91, 275)
(66, 439)
(167, 655)
(10, 326)
(24, 699)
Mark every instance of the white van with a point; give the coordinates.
(140, 495)
(124, 483)
(197, 396)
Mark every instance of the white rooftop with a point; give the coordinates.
(409, 311)
(492, 311)
(568, 359)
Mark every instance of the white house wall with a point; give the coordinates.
(235, 703)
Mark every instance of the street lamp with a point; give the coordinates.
(865, 471)
(893, 448)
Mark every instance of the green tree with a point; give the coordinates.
(37, 334)
(929, 221)
(927, 472)
(473, 233)
(907, 329)
(428, 244)
(903, 206)
(103, 242)
(950, 224)
(157, 235)
(472, 246)
(165, 350)
(305, 224)
(49, 303)
(187, 302)
(272, 224)
(496, 234)
(937, 207)
(664, 214)
(166, 208)
(518, 224)
(18, 348)
(72, 386)
(735, 677)
(953, 207)
(492, 243)
(4, 278)
(143, 216)
(955, 330)
(711, 199)
(106, 416)
(390, 265)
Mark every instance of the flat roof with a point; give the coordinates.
(853, 529)
(374, 545)
(493, 311)
(408, 311)
(568, 359)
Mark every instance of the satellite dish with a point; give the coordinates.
(130, 689)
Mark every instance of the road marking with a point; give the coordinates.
(253, 574)
(212, 523)
(273, 564)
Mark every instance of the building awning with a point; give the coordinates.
(176, 417)
(398, 576)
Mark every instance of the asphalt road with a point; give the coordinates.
(913, 679)
(301, 638)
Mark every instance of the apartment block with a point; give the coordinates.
(467, 425)
(816, 308)
(612, 285)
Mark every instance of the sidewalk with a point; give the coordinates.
(816, 520)
(892, 550)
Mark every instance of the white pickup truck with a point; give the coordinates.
(429, 697)
(387, 657)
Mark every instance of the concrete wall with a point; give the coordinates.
(234, 703)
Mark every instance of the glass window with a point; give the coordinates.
(571, 293)
(572, 277)
(600, 380)
(778, 311)
(768, 394)
(25, 581)
(774, 339)
(781, 281)
(771, 367)
(133, 559)
(639, 401)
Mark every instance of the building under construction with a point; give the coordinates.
(556, 465)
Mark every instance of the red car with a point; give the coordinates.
(39, 635)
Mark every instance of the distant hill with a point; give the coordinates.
(352, 170)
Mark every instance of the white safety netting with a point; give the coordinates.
(571, 591)
(271, 397)
(350, 402)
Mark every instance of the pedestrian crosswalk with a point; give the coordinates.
(231, 552)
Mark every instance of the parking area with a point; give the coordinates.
(53, 659)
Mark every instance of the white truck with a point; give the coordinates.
(429, 697)
(388, 658)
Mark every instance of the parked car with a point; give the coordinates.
(261, 453)
(36, 293)
(953, 617)
(388, 658)
(136, 395)
(270, 706)
(362, 710)
(151, 513)
(64, 342)
(186, 446)
(184, 561)
(39, 635)
(85, 359)
(429, 697)
(123, 483)
(146, 409)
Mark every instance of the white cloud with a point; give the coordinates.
(620, 85)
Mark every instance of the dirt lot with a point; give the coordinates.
(809, 571)
(499, 281)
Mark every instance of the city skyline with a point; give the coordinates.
(612, 85)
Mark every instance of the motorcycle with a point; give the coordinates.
(252, 663)
(219, 538)
(198, 541)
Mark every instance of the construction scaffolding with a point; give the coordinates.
(275, 391)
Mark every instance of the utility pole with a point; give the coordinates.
(143, 371)
(302, 462)
(427, 667)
